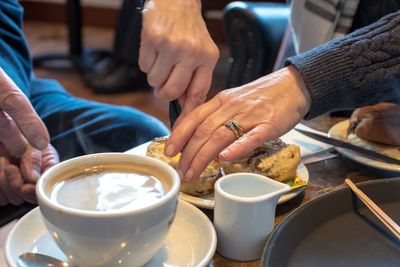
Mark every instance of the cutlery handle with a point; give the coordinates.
(174, 112)
(378, 212)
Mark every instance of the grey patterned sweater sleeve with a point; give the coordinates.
(361, 68)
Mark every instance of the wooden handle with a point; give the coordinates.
(378, 212)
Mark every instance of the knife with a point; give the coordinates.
(174, 112)
(339, 143)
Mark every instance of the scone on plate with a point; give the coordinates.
(273, 159)
(377, 128)
(204, 185)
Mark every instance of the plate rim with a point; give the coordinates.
(267, 248)
(186, 207)
(352, 155)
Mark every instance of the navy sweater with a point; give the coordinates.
(358, 69)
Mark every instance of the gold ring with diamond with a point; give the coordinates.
(235, 127)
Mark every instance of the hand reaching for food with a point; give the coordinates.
(262, 110)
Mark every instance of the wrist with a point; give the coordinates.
(299, 84)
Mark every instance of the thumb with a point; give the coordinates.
(31, 165)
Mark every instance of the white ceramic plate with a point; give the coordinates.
(191, 240)
(207, 202)
(339, 131)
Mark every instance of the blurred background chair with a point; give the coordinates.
(102, 70)
(79, 58)
(254, 32)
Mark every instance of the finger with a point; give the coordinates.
(147, 57)
(18, 107)
(198, 89)
(210, 127)
(160, 71)
(219, 140)
(249, 141)
(183, 132)
(28, 193)
(11, 136)
(49, 158)
(31, 165)
(8, 192)
(14, 178)
(176, 83)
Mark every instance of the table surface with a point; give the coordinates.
(325, 176)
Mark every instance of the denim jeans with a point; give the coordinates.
(76, 126)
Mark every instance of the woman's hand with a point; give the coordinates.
(266, 109)
(177, 52)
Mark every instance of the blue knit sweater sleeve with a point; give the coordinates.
(361, 68)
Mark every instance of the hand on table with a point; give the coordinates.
(177, 52)
(19, 176)
(266, 109)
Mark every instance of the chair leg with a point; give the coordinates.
(77, 57)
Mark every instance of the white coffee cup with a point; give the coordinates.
(244, 213)
(112, 237)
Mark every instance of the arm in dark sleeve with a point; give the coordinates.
(14, 54)
(361, 68)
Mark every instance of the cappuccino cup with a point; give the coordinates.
(109, 209)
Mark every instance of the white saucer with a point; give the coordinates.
(339, 131)
(191, 241)
(207, 202)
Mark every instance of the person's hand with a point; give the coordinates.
(18, 177)
(266, 109)
(177, 52)
(19, 123)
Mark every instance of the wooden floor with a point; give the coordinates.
(45, 38)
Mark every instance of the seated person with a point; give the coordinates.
(357, 69)
(77, 126)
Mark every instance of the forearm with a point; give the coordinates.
(14, 54)
(359, 69)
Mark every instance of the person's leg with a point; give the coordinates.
(78, 126)
(121, 71)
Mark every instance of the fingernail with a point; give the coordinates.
(223, 154)
(41, 143)
(170, 150)
(189, 175)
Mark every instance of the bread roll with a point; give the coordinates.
(273, 159)
(378, 123)
(204, 185)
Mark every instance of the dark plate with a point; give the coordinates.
(337, 230)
